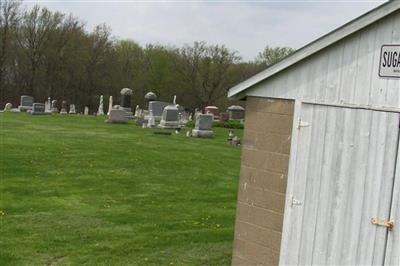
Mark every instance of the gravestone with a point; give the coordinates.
(117, 116)
(110, 105)
(8, 107)
(126, 95)
(38, 109)
(48, 105)
(156, 109)
(203, 126)
(72, 110)
(184, 117)
(150, 96)
(54, 108)
(26, 103)
(100, 111)
(63, 108)
(212, 110)
(223, 117)
(137, 109)
(236, 112)
(86, 112)
(169, 118)
(151, 122)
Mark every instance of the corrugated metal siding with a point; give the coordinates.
(344, 73)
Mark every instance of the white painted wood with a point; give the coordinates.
(343, 173)
(287, 219)
(313, 182)
(392, 256)
(393, 243)
(318, 45)
(298, 188)
(343, 73)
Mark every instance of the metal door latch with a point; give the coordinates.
(388, 224)
(302, 123)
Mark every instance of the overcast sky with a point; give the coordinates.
(244, 26)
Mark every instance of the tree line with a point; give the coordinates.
(45, 53)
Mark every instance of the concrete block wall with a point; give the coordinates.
(263, 177)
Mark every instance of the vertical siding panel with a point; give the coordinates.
(320, 82)
(293, 232)
(364, 256)
(340, 188)
(329, 162)
(379, 85)
(294, 83)
(316, 73)
(393, 85)
(393, 244)
(365, 66)
(335, 54)
(356, 180)
(286, 252)
(389, 124)
(349, 68)
(313, 184)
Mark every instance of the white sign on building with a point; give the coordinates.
(389, 65)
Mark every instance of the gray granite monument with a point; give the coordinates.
(236, 112)
(156, 109)
(169, 117)
(126, 95)
(203, 126)
(117, 116)
(38, 109)
(26, 103)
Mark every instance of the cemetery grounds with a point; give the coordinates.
(75, 190)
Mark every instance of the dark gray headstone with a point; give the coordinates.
(170, 113)
(126, 95)
(26, 100)
(204, 121)
(26, 103)
(170, 117)
(38, 109)
(156, 107)
(150, 96)
(236, 112)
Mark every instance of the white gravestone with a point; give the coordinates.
(72, 110)
(100, 111)
(110, 105)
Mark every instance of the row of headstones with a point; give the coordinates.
(27, 104)
(234, 112)
(163, 115)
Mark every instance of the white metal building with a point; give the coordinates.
(342, 199)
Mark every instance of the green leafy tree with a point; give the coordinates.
(272, 55)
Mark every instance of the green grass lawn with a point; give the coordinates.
(75, 190)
